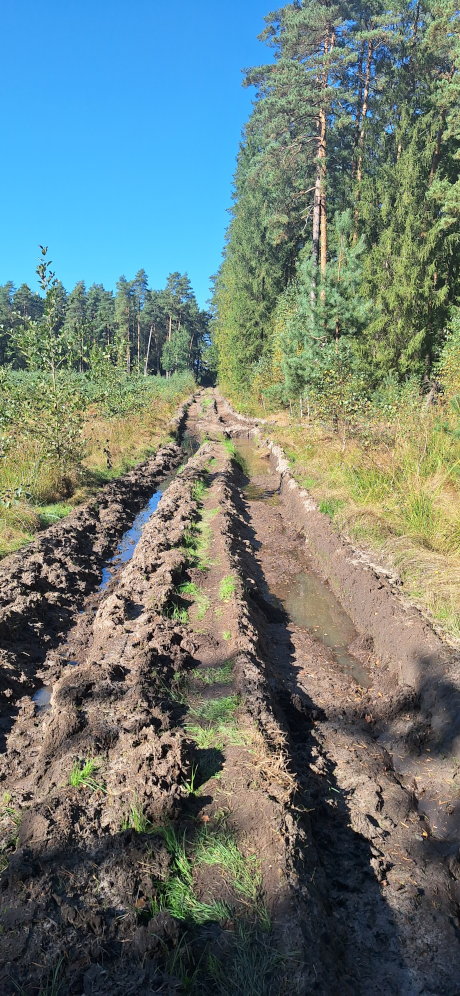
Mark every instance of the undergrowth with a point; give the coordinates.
(52, 460)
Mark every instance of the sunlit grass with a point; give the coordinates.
(398, 493)
(35, 491)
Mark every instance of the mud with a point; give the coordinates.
(324, 778)
(43, 587)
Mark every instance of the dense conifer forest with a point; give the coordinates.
(340, 270)
(137, 329)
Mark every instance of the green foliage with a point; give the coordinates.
(217, 710)
(215, 675)
(448, 367)
(345, 217)
(177, 895)
(219, 848)
(82, 775)
(137, 820)
(202, 602)
(227, 588)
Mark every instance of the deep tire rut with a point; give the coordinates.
(337, 885)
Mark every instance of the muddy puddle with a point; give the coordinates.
(131, 537)
(42, 698)
(307, 600)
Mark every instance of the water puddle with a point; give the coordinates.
(42, 698)
(255, 463)
(308, 601)
(131, 537)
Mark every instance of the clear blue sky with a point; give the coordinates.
(121, 124)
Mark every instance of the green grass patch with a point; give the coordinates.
(330, 506)
(196, 541)
(219, 710)
(192, 591)
(137, 820)
(226, 635)
(177, 895)
(82, 775)
(227, 588)
(212, 848)
(215, 675)
(216, 736)
(49, 514)
(178, 613)
(198, 491)
(219, 847)
(232, 450)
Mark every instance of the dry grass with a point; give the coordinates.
(272, 765)
(396, 491)
(32, 490)
(124, 442)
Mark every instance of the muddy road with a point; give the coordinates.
(229, 749)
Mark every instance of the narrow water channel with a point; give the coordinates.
(124, 552)
(308, 600)
(131, 537)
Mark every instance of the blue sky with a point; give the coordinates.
(121, 126)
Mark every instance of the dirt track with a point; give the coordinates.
(233, 724)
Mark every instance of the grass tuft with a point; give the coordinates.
(219, 710)
(191, 590)
(214, 675)
(138, 821)
(10, 821)
(227, 588)
(82, 775)
(177, 894)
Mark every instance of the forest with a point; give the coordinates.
(337, 300)
(137, 329)
(340, 273)
(88, 382)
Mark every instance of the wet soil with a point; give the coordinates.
(320, 776)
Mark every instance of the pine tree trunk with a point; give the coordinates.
(315, 233)
(360, 144)
(146, 363)
(323, 206)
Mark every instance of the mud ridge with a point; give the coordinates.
(351, 824)
(43, 586)
(77, 883)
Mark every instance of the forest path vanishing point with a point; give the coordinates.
(229, 748)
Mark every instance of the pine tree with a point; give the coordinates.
(76, 324)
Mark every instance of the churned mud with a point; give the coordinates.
(226, 765)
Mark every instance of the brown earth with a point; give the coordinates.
(316, 781)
